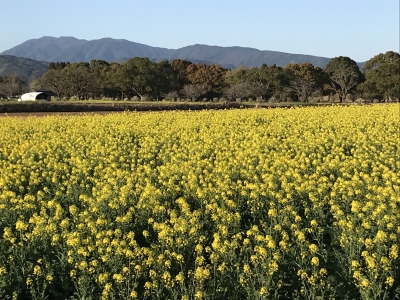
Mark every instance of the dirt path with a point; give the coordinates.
(44, 114)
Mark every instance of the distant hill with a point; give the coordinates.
(24, 68)
(70, 49)
(249, 57)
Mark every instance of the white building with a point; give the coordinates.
(35, 96)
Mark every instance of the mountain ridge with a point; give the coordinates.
(24, 68)
(71, 49)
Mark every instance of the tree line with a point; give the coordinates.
(141, 78)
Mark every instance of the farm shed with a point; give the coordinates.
(35, 96)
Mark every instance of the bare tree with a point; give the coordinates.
(13, 85)
(193, 91)
(302, 88)
(240, 90)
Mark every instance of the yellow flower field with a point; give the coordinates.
(237, 204)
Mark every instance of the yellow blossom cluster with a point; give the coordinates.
(298, 203)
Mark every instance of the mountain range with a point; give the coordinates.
(51, 49)
(24, 68)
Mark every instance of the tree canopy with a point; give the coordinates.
(382, 76)
(344, 74)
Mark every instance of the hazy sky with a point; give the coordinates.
(359, 29)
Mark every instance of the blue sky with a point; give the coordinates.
(359, 29)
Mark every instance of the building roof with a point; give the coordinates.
(32, 96)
